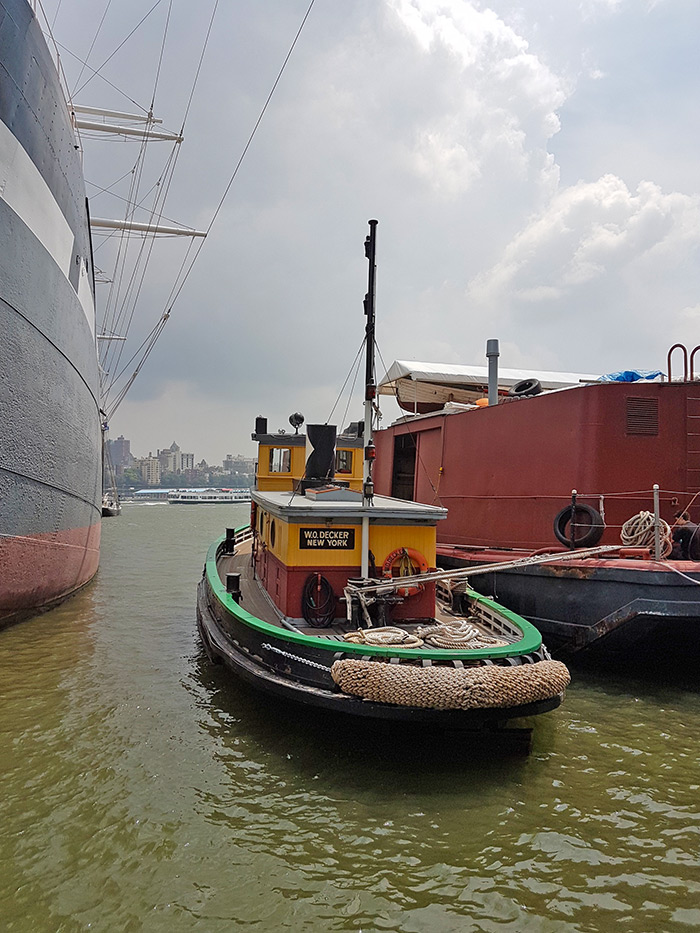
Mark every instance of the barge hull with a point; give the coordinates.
(618, 611)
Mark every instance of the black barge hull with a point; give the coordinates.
(625, 613)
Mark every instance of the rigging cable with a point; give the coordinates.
(121, 302)
(353, 367)
(141, 263)
(164, 183)
(94, 72)
(185, 270)
(92, 44)
(63, 80)
(148, 241)
(55, 16)
(109, 57)
(350, 393)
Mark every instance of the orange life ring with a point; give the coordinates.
(416, 558)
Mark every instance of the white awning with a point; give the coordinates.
(466, 377)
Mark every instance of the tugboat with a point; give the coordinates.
(331, 596)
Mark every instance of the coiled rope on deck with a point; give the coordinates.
(386, 635)
(457, 634)
(638, 531)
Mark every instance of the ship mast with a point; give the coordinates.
(132, 124)
(370, 394)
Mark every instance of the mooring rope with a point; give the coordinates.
(638, 531)
(386, 635)
(457, 634)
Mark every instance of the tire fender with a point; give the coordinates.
(589, 531)
(525, 387)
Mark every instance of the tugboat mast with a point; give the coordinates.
(370, 393)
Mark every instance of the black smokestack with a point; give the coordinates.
(320, 451)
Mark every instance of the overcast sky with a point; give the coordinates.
(533, 167)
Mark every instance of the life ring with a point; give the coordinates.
(416, 558)
(587, 519)
(525, 387)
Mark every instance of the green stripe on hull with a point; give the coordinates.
(531, 640)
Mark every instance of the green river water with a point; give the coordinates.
(142, 789)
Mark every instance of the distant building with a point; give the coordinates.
(173, 460)
(149, 468)
(238, 464)
(119, 454)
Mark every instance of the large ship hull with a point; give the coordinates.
(50, 430)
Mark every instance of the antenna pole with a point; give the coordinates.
(370, 393)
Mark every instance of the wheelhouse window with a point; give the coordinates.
(280, 460)
(343, 461)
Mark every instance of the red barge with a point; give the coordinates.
(506, 468)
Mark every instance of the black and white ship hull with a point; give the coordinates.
(50, 430)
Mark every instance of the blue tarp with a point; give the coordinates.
(632, 375)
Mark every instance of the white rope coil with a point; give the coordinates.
(638, 531)
(386, 635)
(457, 633)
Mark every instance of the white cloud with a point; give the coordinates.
(498, 100)
(591, 9)
(533, 167)
(614, 267)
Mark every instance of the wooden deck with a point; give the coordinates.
(256, 601)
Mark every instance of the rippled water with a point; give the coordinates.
(143, 790)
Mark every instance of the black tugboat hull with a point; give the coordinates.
(242, 650)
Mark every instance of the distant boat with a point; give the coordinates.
(110, 505)
(208, 496)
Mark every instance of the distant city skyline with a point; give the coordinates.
(171, 464)
(147, 449)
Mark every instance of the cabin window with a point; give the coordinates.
(262, 522)
(343, 461)
(272, 533)
(642, 415)
(280, 460)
